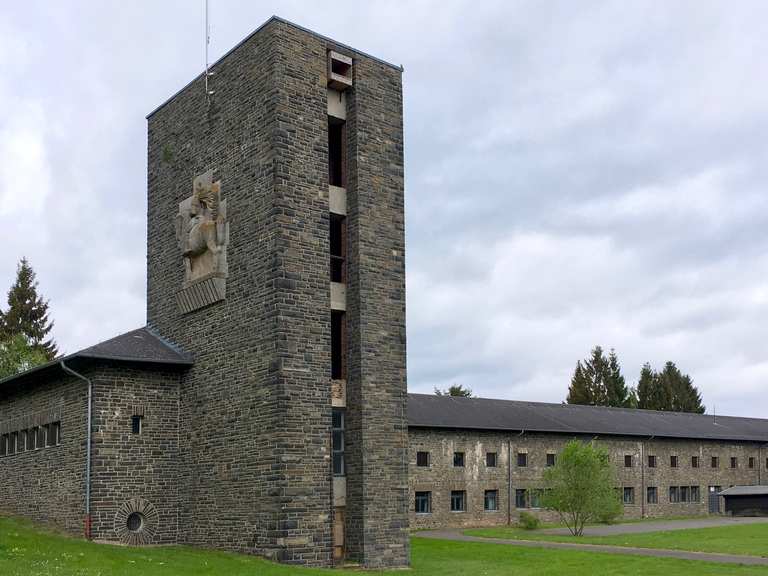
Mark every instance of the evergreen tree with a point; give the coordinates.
(455, 390)
(669, 390)
(579, 391)
(617, 392)
(27, 313)
(596, 382)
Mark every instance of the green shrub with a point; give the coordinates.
(528, 521)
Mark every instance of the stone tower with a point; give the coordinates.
(276, 257)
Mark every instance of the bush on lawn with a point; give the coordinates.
(528, 521)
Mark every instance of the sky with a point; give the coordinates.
(577, 174)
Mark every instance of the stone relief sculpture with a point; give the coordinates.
(202, 231)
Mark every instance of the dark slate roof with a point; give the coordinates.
(745, 491)
(143, 346)
(432, 411)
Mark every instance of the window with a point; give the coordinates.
(521, 498)
(734, 462)
(135, 522)
(694, 461)
(337, 441)
(673, 461)
(652, 495)
(13, 442)
(338, 245)
(458, 501)
(458, 459)
(47, 435)
(491, 500)
(22, 441)
(695, 494)
(422, 459)
(522, 459)
(715, 462)
(32, 438)
(336, 152)
(651, 461)
(751, 462)
(674, 494)
(55, 433)
(536, 498)
(550, 460)
(136, 422)
(338, 345)
(41, 433)
(423, 502)
(491, 460)
(627, 461)
(3, 444)
(629, 495)
(683, 493)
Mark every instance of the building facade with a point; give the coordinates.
(264, 407)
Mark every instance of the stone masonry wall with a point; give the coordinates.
(441, 477)
(46, 485)
(135, 472)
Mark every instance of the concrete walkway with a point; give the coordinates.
(458, 536)
(657, 526)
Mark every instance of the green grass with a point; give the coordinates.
(750, 539)
(27, 551)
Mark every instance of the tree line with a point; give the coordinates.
(598, 381)
(25, 326)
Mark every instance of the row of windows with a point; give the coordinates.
(423, 459)
(532, 498)
(30, 439)
(674, 461)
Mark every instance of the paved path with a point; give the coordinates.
(458, 536)
(661, 525)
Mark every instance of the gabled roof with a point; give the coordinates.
(142, 346)
(431, 411)
(745, 491)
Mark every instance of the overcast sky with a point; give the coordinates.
(577, 173)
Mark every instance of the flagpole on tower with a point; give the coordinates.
(208, 73)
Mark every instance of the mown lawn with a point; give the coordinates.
(30, 552)
(751, 539)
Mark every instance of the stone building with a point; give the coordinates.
(264, 407)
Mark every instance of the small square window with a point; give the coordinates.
(522, 459)
(458, 459)
(422, 459)
(673, 461)
(491, 500)
(136, 424)
(627, 461)
(734, 462)
(652, 495)
(629, 495)
(491, 459)
(458, 501)
(423, 502)
(550, 460)
(651, 461)
(521, 498)
(694, 461)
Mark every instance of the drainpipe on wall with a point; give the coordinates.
(642, 479)
(89, 416)
(509, 482)
(760, 464)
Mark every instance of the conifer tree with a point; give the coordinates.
(579, 392)
(455, 390)
(669, 390)
(27, 313)
(617, 392)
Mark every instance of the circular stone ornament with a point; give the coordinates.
(136, 522)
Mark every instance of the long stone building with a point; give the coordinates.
(264, 407)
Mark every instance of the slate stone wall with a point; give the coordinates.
(46, 485)
(441, 477)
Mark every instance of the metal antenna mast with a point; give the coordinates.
(208, 74)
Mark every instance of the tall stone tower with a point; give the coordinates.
(276, 257)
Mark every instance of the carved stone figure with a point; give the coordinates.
(203, 234)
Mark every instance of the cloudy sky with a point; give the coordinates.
(578, 173)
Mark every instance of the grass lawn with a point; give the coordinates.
(749, 539)
(30, 552)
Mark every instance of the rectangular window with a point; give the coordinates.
(55, 433)
(22, 441)
(4, 445)
(337, 441)
(673, 461)
(12, 443)
(674, 494)
(521, 498)
(629, 495)
(32, 438)
(458, 501)
(627, 461)
(48, 435)
(458, 459)
(338, 245)
(715, 462)
(41, 434)
(338, 345)
(336, 152)
(136, 424)
(422, 459)
(652, 495)
(550, 460)
(651, 461)
(695, 494)
(491, 459)
(491, 500)
(423, 502)
(683, 493)
(751, 462)
(536, 498)
(522, 459)
(694, 461)
(734, 462)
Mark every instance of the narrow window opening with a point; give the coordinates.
(136, 424)
(338, 345)
(12, 444)
(336, 152)
(522, 459)
(627, 461)
(338, 228)
(34, 433)
(673, 461)
(337, 439)
(751, 461)
(23, 441)
(47, 435)
(734, 462)
(694, 461)
(715, 462)
(55, 433)
(4, 445)
(651, 461)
